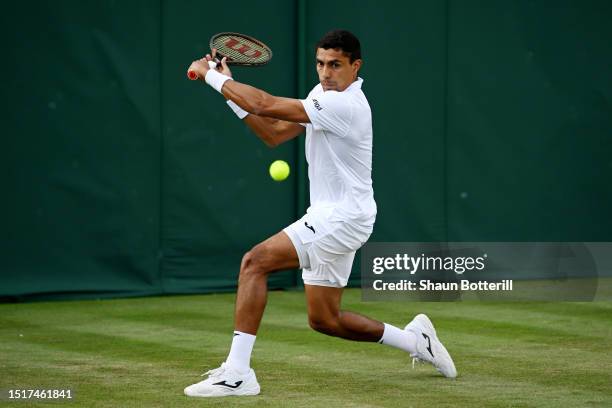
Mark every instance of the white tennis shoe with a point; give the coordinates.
(224, 382)
(429, 348)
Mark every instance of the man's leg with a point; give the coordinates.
(418, 338)
(235, 376)
(274, 254)
(325, 316)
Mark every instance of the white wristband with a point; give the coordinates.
(216, 79)
(241, 113)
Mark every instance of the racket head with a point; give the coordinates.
(240, 49)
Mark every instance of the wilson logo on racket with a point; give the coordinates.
(244, 49)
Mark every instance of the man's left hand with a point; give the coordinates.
(200, 67)
(203, 65)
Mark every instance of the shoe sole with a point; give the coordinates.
(220, 393)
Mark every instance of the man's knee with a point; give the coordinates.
(323, 324)
(254, 262)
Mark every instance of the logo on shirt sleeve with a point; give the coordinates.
(316, 104)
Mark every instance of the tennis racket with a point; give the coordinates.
(240, 49)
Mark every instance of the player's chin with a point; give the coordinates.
(329, 86)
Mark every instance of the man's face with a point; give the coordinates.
(335, 70)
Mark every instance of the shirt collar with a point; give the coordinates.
(356, 84)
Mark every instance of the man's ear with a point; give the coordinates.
(357, 65)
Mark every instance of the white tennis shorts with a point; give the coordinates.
(326, 248)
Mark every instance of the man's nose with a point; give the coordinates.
(326, 72)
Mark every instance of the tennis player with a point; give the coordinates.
(338, 123)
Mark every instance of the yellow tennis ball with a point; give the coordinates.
(279, 170)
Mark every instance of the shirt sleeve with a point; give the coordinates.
(329, 111)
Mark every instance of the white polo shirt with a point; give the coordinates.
(339, 153)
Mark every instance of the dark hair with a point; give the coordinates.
(343, 40)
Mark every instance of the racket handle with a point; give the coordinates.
(192, 74)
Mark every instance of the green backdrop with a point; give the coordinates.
(492, 122)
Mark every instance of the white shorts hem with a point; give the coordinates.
(326, 283)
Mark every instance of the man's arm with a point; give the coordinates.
(249, 98)
(273, 119)
(273, 131)
(261, 103)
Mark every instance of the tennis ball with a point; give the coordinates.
(279, 170)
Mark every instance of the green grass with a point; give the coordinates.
(143, 352)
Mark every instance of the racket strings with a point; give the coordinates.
(240, 49)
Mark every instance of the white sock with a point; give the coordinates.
(239, 357)
(398, 338)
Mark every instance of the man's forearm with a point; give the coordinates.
(261, 103)
(264, 128)
(273, 119)
(249, 98)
